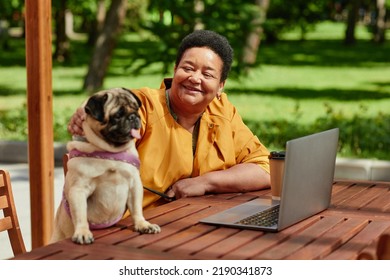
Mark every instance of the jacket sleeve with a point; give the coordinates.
(248, 147)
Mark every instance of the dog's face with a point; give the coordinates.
(113, 115)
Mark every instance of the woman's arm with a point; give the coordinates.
(242, 177)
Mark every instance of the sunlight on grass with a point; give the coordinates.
(329, 31)
(284, 92)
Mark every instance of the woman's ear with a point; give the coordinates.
(220, 90)
(219, 93)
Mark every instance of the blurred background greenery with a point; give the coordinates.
(300, 66)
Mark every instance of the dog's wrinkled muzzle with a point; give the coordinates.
(119, 131)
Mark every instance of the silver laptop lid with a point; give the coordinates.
(308, 176)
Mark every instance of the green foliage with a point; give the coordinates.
(170, 21)
(302, 14)
(11, 10)
(14, 125)
(360, 136)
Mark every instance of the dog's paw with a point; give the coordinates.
(146, 227)
(83, 236)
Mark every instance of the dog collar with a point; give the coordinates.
(121, 156)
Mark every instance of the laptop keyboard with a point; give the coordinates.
(268, 217)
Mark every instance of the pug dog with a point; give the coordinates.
(102, 179)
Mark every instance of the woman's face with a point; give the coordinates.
(196, 81)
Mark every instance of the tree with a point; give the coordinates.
(88, 14)
(353, 8)
(104, 45)
(380, 22)
(61, 50)
(11, 14)
(301, 14)
(255, 34)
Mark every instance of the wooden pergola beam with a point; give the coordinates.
(40, 119)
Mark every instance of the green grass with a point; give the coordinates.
(296, 81)
(328, 31)
(283, 92)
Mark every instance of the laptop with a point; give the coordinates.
(307, 186)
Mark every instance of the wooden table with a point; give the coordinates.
(359, 213)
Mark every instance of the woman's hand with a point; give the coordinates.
(75, 124)
(188, 187)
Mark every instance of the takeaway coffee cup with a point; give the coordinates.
(276, 162)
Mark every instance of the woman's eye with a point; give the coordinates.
(208, 75)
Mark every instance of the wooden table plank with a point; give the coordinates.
(339, 186)
(380, 203)
(269, 240)
(196, 245)
(151, 213)
(351, 249)
(191, 229)
(361, 201)
(40, 253)
(155, 215)
(69, 255)
(140, 240)
(218, 250)
(343, 197)
(177, 224)
(118, 237)
(331, 240)
(300, 240)
(183, 237)
(96, 251)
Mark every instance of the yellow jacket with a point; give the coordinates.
(165, 148)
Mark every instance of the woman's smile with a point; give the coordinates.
(192, 90)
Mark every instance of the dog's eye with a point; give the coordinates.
(120, 113)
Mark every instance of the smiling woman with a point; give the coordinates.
(193, 141)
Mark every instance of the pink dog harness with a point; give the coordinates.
(122, 156)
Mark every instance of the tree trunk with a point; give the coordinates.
(353, 9)
(380, 25)
(253, 39)
(61, 52)
(98, 23)
(104, 45)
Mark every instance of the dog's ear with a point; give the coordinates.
(95, 106)
(135, 96)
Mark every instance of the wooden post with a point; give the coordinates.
(40, 119)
